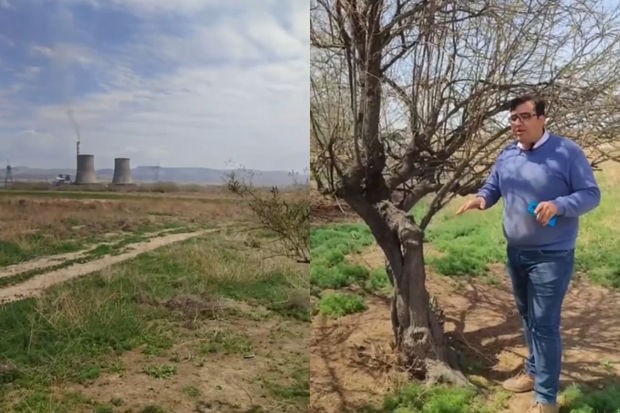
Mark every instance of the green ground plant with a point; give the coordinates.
(78, 331)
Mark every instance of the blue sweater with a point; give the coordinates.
(556, 171)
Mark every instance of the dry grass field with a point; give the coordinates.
(160, 302)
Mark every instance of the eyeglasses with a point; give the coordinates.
(522, 117)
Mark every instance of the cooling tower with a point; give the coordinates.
(85, 170)
(122, 171)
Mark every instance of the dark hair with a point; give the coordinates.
(539, 103)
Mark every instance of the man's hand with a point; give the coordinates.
(476, 203)
(545, 211)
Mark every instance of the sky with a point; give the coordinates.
(183, 83)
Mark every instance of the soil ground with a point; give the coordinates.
(219, 382)
(351, 358)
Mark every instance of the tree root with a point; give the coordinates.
(439, 372)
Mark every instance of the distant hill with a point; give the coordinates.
(146, 174)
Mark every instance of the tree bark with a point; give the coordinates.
(417, 321)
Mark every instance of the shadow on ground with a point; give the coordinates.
(352, 363)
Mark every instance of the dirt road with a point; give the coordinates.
(42, 263)
(35, 285)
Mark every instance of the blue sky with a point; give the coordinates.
(175, 83)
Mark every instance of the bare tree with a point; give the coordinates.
(409, 101)
(287, 215)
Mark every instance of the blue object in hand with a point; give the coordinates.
(532, 207)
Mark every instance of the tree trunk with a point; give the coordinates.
(417, 321)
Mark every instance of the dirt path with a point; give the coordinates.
(52, 260)
(34, 286)
(350, 357)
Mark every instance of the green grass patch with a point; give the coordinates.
(33, 246)
(104, 409)
(467, 243)
(378, 281)
(42, 400)
(579, 400)
(417, 398)
(295, 390)
(330, 245)
(191, 391)
(164, 371)
(340, 304)
(227, 342)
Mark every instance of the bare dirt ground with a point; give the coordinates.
(221, 382)
(351, 362)
(325, 210)
(53, 260)
(35, 285)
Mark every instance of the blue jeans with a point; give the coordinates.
(540, 280)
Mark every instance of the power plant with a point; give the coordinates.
(122, 172)
(85, 173)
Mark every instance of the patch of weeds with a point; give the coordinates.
(158, 339)
(330, 245)
(42, 400)
(164, 371)
(227, 342)
(117, 401)
(296, 305)
(101, 250)
(468, 243)
(152, 409)
(500, 402)
(191, 391)
(272, 289)
(336, 276)
(87, 373)
(378, 281)
(418, 398)
(297, 390)
(581, 400)
(8, 373)
(11, 253)
(34, 338)
(103, 409)
(340, 304)
(34, 245)
(75, 331)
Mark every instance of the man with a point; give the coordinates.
(554, 172)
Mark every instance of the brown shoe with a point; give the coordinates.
(544, 408)
(521, 383)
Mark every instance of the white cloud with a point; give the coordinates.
(65, 53)
(186, 7)
(211, 105)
